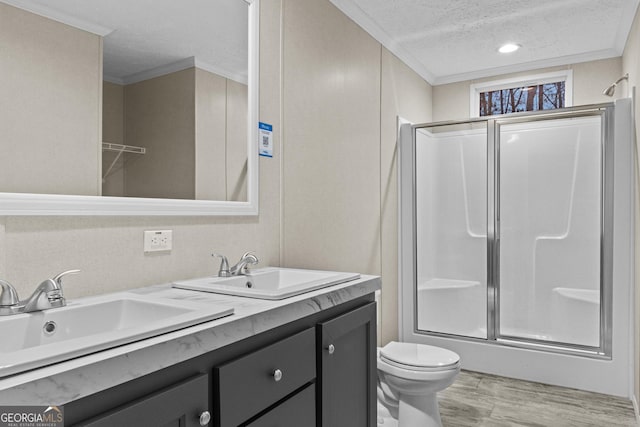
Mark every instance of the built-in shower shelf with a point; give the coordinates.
(447, 284)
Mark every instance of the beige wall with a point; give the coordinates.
(210, 123)
(631, 65)
(331, 135)
(342, 92)
(236, 141)
(199, 148)
(221, 138)
(451, 101)
(113, 132)
(112, 113)
(404, 94)
(160, 116)
(49, 133)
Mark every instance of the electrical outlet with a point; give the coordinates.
(158, 240)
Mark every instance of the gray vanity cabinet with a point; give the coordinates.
(318, 370)
(347, 369)
(182, 405)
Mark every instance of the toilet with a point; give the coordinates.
(409, 378)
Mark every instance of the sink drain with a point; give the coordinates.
(49, 328)
(249, 285)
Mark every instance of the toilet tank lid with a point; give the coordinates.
(419, 355)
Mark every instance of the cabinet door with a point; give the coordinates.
(297, 411)
(347, 369)
(180, 405)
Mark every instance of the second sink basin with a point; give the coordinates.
(268, 283)
(32, 340)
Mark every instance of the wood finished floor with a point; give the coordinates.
(476, 399)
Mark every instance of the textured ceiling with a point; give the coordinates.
(454, 40)
(146, 34)
(443, 40)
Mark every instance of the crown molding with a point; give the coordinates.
(174, 67)
(114, 80)
(162, 70)
(215, 69)
(38, 9)
(526, 66)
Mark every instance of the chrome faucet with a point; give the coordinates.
(9, 301)
(241, 268)
(47, 295)
(223, 271)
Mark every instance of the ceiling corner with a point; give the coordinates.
(360, 18)
(624, 30)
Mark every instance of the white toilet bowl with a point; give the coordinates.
(409, 378)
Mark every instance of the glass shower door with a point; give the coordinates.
(549, 226)
(451, 226)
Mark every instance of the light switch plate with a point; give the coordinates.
(158, 240)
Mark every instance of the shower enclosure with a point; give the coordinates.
(507, 241)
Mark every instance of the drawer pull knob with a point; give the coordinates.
(205, 417)
(331, 349)
(277, 375)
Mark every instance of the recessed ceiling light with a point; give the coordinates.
(508, 48)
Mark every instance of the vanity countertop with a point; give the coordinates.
(73, 379)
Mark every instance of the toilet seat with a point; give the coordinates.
(419, 357)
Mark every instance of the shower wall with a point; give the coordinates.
(550, 230)
(451, 212)
(548, 224)
(516, 244)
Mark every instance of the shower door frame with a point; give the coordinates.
(493, 124)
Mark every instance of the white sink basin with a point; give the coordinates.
(33, 340)
(268, 283)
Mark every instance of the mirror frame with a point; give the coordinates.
(56, 204)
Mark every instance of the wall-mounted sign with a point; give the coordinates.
(265, 142)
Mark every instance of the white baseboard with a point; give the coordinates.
(634, 400)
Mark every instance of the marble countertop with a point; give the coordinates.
(73, 379)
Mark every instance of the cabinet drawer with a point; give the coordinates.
(298, 411)
(248, 385)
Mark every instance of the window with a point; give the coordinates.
(530, 93)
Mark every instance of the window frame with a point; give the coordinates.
(476, 89)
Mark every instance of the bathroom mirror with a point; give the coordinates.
(163, 100)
